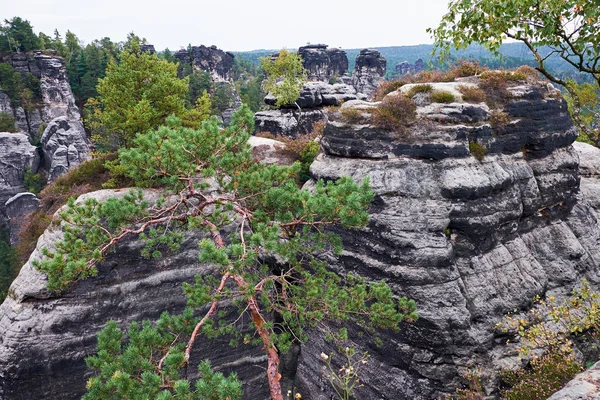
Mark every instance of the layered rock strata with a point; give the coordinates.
(44, 338)
(406, 68)
(65, 146)
(322, 63)
(468, 240)
(17, 155)
(290, 121)
(216, 62)
(18, 208)
(369, 71)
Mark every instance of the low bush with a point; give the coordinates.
(351, 115)
(441, 96)
(477, 150)
(395, 113)
(421, 88)
(34, 183)
(387, 87)
(471, 94)
(85, 178)
(304, 148)
(546, 336)
(544, 376)
(7, 123)
(499, 120)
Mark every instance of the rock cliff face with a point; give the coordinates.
(467, 239)
(17, 209)
(369, 71)
(322, 63)
(405, 68)
(56, 123)
(289, 121)
(44, 339)
(57, 97)
(216, 62)
(16, 156)
(64, 145)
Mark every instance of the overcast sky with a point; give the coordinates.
(237, 25)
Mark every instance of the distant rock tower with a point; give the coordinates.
(322, 63)
(369, 71)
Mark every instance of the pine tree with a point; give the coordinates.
(136, 95)
(257, 211)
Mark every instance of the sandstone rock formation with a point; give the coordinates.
(16, 156)
(322, 63)
(406, 68)
(216, 62)
(589, 170)
(369, 71)
(469, 240)
(320, 94)
(64, 145)
(289, 121)
(57, 97)
(585, 386)
(44, 338)
(17, 209)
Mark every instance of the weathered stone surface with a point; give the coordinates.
(323, 63)
(65, 146)
(216, 62)
(369, 71)
(589, 170)
(288, 122)
(320, 94)
(17, 208)
(44, 339)
(468, 240)
(16, 156)
(269, 151)
(585, 386)
(57, 97)
(406, 68)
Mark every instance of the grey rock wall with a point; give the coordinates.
(65, 146)
(16, 156)
(369, 71)
(468, 240)
(323, 63)
(216, 62)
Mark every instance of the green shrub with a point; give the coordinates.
(424, 88)
(441, 96)
(477, 150)
(9, 266)
(499, 120)
(7, 123)
(87, 177)
(471, 94)
(387, 87)
(34, 183)
(545, 376)
(394, 113)
(352, 115)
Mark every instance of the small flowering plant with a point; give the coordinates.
(345, 379)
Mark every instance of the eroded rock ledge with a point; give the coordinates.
(469, 240)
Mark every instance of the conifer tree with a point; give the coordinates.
(247, 212)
